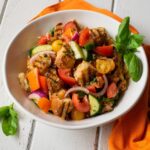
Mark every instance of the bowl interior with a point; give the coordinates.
(15, 62)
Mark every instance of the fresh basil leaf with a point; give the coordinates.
(123, 34)
(135, 41)
(4, 111)
(134, 66)
(127, 59)
(10, 123)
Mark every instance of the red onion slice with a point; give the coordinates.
(75, 36)
(36, 95)
(77, 88)
(102, 92)
(33, 58)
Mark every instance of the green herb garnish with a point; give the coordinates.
(126, 44)
(81, 94)
(9, 119)
(51, 31)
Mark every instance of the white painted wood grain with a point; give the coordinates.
(104, 136)
(16, 15)
(1, 5)
(49, 138)
(139, 11)
(101, 3)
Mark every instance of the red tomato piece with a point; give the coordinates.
(112, 90)
(71, 25)
(84, 37)
(82, 106)
(64, 74)
(104, 50)
(42, 40)
(69, 30)
(92, 88)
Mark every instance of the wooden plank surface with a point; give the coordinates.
(16, 15)
(107, 4)
(2, 8)
(50, 138)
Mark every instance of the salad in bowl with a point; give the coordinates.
(77, 72)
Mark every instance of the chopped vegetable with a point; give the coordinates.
(75, 37)
(94, 105)
(77, 115)
(84, 37)
(105, 65)
(89, 46)
(91, 88)
(102, 92)
(75, 89)
(64, 74)
(57, 45)
(43, 40)
(36, 95)
(70, 29)
(44, 104)
(78, 53)
(40, 48)
(33, 78)
(104, 50)
(43, 84)
(82, 106)
(112, 90)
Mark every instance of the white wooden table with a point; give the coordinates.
(34, 135)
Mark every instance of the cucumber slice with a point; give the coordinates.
(76, 49)
(89, 46)
(95, 105)
(87, 55)
(40, 49)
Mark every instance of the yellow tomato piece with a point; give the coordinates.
(57, 45)
(77, 115)
(105, 65)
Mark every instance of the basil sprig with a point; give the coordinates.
(9, 119)
(126, 44)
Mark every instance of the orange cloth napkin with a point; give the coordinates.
(131, 131)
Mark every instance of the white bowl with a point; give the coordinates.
(15, 62)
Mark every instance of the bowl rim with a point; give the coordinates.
(94, 124)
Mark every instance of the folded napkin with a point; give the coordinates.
(131, 131)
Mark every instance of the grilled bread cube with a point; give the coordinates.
(64, 59)
(56, 104)
(43, 62)
(54, 83)
(84, 73)
(61, 107)
(23, 81)
(100, 36)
